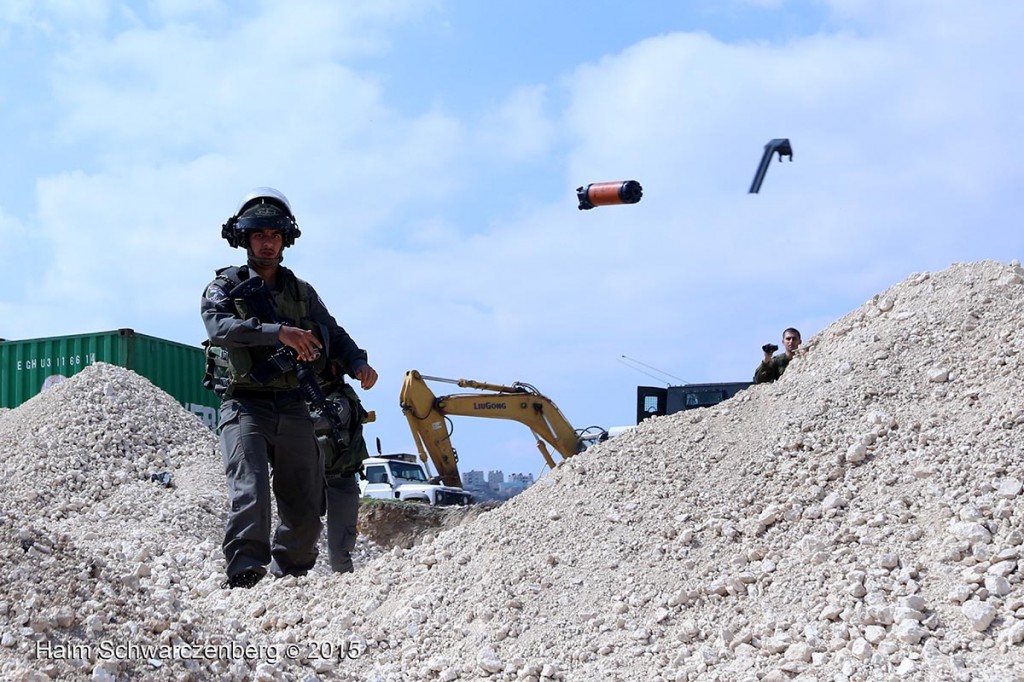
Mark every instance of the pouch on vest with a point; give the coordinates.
(217, 376)
(343, 454)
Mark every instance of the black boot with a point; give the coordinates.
(244, 579)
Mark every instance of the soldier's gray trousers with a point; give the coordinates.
(342, 521)
(258, 436)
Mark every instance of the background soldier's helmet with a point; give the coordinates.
(264, 208)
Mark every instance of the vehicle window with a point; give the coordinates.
(376, 475)
(408, 472)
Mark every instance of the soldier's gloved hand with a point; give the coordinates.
(367, 377)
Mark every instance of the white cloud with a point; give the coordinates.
(52, 16)
(182, 125)
(16, 12)
(176, 10)
(520, 129)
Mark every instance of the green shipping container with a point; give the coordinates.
(28, 365)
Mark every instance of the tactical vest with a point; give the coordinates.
(228, 368)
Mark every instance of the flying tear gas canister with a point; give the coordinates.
(780, 145)
(609, 193)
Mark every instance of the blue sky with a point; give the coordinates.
(431, 151)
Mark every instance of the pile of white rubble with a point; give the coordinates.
(859, 519)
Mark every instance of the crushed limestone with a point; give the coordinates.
(860, 519)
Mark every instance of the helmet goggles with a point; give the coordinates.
(262, 209)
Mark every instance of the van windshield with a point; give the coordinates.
(408, 472)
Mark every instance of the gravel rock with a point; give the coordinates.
(979, 613)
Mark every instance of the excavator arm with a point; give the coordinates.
(428, 414)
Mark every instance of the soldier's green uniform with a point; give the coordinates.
(772, 370)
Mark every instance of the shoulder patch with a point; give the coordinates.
(215, 293)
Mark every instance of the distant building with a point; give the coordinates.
(493, 486)
(510, 488)
(494, 479)
(525, 480)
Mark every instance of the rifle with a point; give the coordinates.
(256, 295)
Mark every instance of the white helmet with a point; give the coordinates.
(263, 208)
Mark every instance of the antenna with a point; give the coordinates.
(626, 357)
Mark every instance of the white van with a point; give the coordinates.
(403, 477)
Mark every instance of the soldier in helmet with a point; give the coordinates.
(266, 431)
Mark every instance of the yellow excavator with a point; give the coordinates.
(428, 417)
